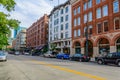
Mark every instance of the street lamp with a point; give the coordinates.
(86, 35)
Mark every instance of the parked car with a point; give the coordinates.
(17, 53)
(50, 54)
(26, 53)
(80, 57)
(62, 56)
(3, 56)
(113, 58)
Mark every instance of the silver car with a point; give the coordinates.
(3, 56)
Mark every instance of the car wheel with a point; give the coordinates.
(118, 64)
(70, 59)
(100, 62)
(62, 58)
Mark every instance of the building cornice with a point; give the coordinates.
(72, 2)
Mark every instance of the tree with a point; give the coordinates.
(5, 22)
(53, 47)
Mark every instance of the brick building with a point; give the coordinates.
(102, 19)
(37, 33)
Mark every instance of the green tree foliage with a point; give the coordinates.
(53, 47)
(5, 22)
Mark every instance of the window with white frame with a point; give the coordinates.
(78, 21)
(75, 33)
(66, 34)
(90, 16)
(89, 3)
(85, 18)
(66, 9)
(99, 27)
(90, 29)
(105, 10)
(66, 26)
(117, 23)
(62, 19)
(85, 6)
(61, 11)
(85, 30)
(79, 32)
(116, 6)
(98, 1)
(66, 18)
(78, 9)
(61, 26)
(105, 24)
(74, 12)
(75, 22)
(98, 13)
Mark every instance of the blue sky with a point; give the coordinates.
(28, 11)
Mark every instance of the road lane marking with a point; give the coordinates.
(71, 71)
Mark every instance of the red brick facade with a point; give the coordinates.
(37, 33)
(108, 37)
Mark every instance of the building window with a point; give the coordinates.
(117, 23)
(85, 18)
(66, 34)
(105, 10)
(78, 9)
(66, 18)
(66, 9)
(89, 3)
(61, 11)
(85, 30)
(98, 13)
(78, 20)
(105, 26)
(61, 35)
(50, 18)
(66, 26)
(62, 27)
(99, 26)
(79, 32)
(74, 12)
(85, 6)
(98, 1)
(61, 19)
(74, 22)
(116, 6)
(57, 21)
(90, 16)
(90, 29)
(75, 33)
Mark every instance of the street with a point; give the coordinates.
(38, 68)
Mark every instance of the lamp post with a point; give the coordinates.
(86, 35)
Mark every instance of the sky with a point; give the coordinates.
(29, 11)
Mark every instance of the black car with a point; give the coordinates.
(80, 57)
(113, 58)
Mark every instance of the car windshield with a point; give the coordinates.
(78, 55)
(2, 54)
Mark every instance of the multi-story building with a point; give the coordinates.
(102, 20)
(60, 27)
(37, 33)
(16, 31)
(20, 41)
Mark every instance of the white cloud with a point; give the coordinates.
(28, 11)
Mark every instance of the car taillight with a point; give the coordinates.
(84, 56)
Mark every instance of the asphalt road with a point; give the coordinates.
(38, 68)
